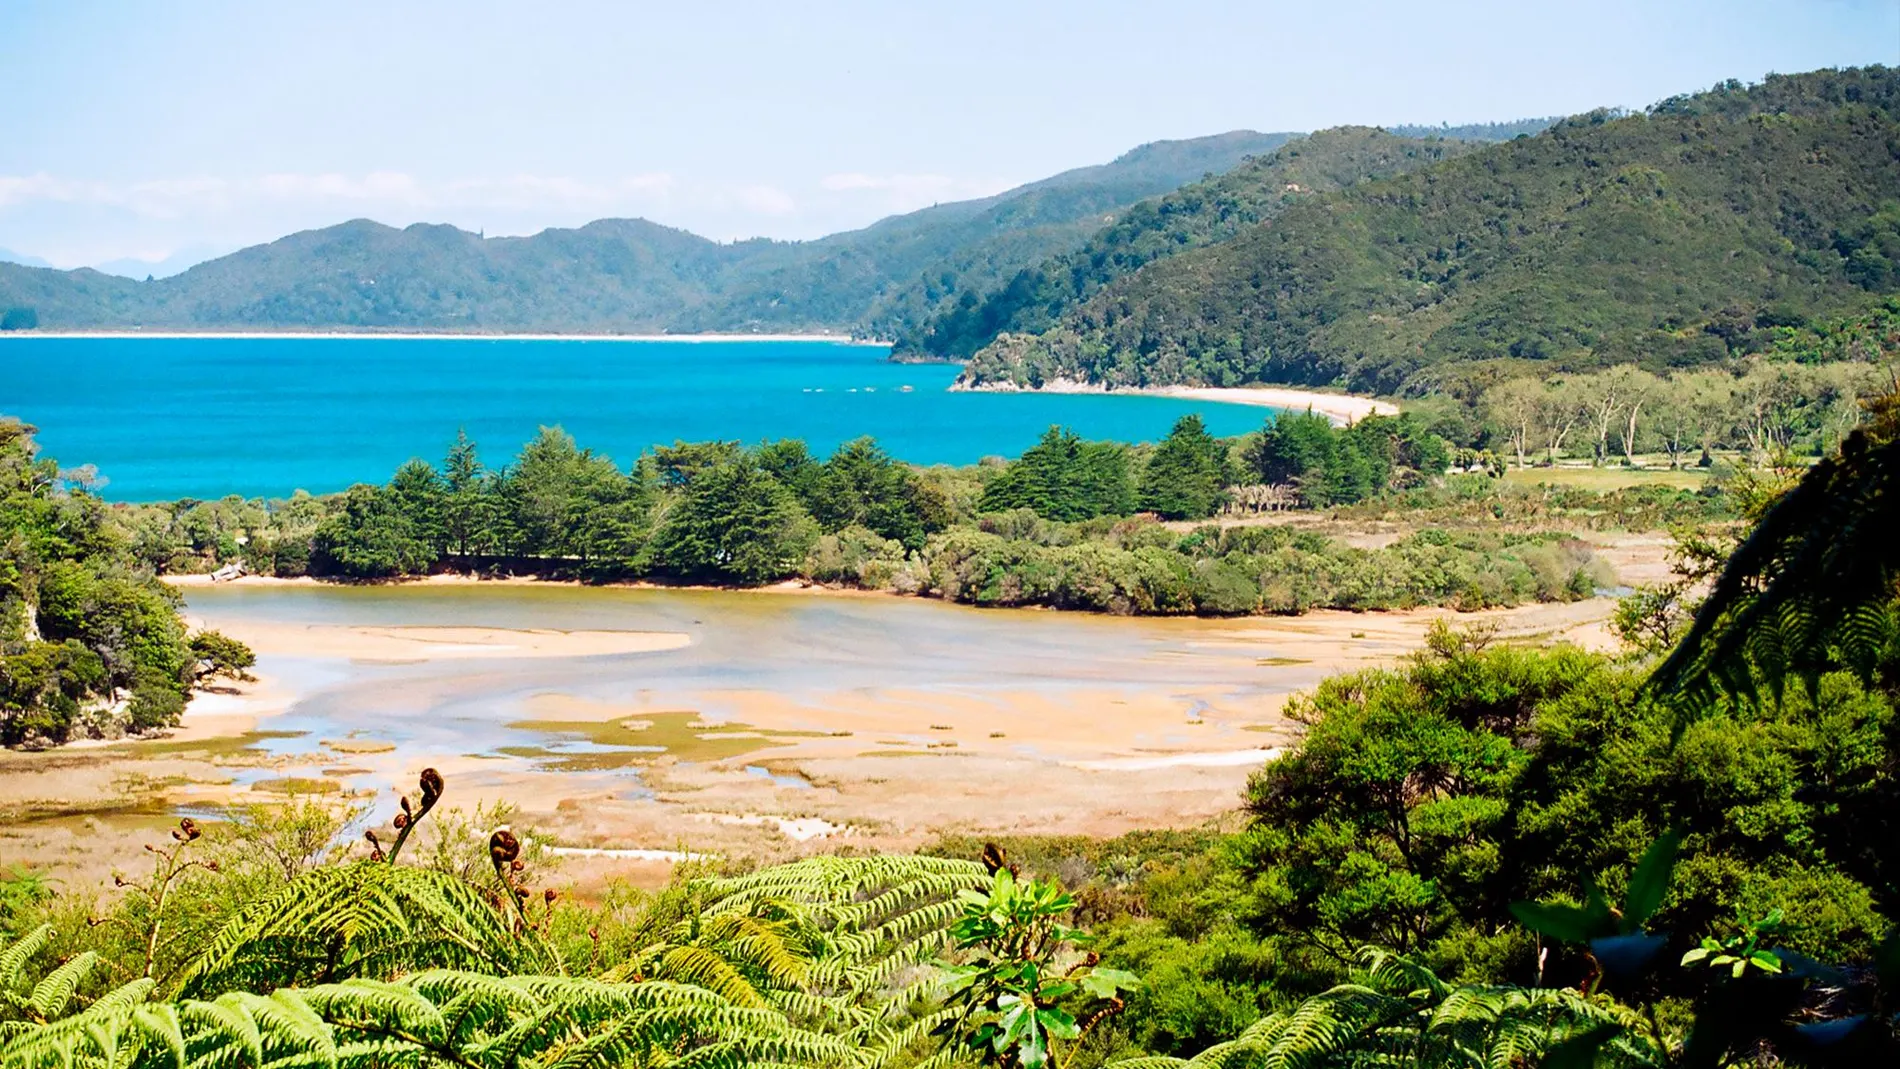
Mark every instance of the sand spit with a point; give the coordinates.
(412, 644)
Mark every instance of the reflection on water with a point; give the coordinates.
(803, 648)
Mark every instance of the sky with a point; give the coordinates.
(148, 131)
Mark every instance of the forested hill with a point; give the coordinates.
(1193, 216)
(624, 274)
(1669, 238)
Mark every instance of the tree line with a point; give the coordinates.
(1766, 409)
(724, 512)
(1074, 524)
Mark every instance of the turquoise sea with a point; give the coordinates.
(166, 418)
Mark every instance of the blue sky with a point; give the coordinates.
(144, 129)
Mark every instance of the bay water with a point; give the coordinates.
(203, 416)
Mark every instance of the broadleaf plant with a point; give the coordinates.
(1026, 993)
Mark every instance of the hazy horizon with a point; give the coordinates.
(199, 130)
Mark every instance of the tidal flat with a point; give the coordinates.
(628, 723)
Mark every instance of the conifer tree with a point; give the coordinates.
(1188, 473)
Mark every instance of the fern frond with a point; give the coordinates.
(22, 950)
(362, 919)
(1801, 588)
(55, 992)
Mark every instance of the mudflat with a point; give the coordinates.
(630, 724)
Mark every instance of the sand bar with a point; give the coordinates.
(376, 643)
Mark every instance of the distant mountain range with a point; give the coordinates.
(8, 256)
(1390, 261)
(632, 275)
(622, 275)
(129, 266)
(164, 267)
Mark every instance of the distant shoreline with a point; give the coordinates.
(1341, 408)
(300, 335)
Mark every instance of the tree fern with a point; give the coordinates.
(361, 919)
(1401, 1014)
(470, 1020)
(26, 1002)
(822, 939)
(14, 960)
(370, 963)
(1812, 587)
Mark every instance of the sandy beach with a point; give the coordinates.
(1341, 408)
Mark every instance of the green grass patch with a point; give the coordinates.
(222, 746)
(297, 785)
(638, 740)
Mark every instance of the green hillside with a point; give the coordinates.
(625, 274)
(1200, 214)
(1670, 238)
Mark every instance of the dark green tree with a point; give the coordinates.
(217, 654)
(790, 462)
(734, 522)
(1339, 466)
(416, 492)
(614, 519)
(678, 464)
(1064, 478)
(541, 496)
(369, 538)
(1292, 447)
(1187, 475)
(467, 511)
(860, 485)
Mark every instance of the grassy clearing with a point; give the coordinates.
(1606, 479)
